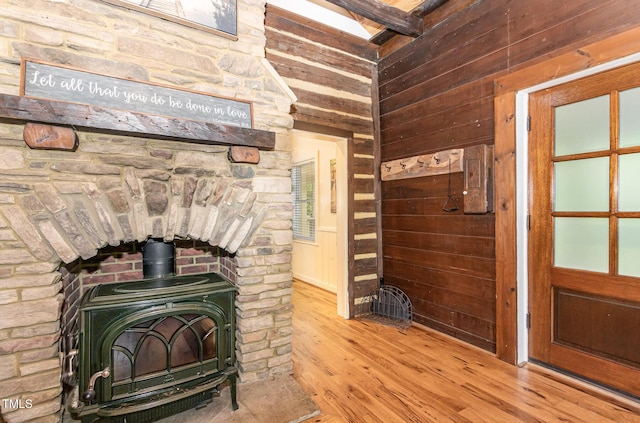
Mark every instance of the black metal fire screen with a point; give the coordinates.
(388, 305)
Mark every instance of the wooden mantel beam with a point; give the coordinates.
(391, 17)
(131, 123)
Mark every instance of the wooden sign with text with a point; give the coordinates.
(54, 82)
(122, 122)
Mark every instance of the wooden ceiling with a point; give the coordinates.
(387, 18)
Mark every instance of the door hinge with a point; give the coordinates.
(529, 123)
(528, 222)
(528, 320)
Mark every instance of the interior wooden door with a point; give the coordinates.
(584, 240)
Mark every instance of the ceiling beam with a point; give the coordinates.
(420, 11)
(427, 7)
(391, 17)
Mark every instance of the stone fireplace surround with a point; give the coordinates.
(70, 219)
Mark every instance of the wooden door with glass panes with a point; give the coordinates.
(584, 240)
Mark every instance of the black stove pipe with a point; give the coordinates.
(158, 259)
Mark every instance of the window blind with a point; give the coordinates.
(303, 178)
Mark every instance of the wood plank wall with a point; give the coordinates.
(331, 73)
(436, 93)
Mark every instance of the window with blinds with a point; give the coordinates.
(303, 178)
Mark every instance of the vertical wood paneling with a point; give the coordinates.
(505, 207)
(437, 93)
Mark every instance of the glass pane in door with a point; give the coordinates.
(581, 243)
(582, 127)
(629, 247)
(629, 188)
(582, 185)
(630, 117)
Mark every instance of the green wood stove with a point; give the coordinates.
(154, 347)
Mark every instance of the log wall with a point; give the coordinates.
(437, 93)
(331, 74)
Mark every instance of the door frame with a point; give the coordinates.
(511, 174)
(342, 197)
(343, 140)
(522, 190)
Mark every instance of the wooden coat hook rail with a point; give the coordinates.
(442, 162)
(476, 162)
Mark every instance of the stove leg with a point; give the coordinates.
(232, 385)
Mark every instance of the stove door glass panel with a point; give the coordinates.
(163, 350)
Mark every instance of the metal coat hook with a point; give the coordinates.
(403, 164)
(388, 167)
(451, 204)
(420, 162)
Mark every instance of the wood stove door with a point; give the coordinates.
(155, 350)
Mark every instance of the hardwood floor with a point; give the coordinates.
(361, 371)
